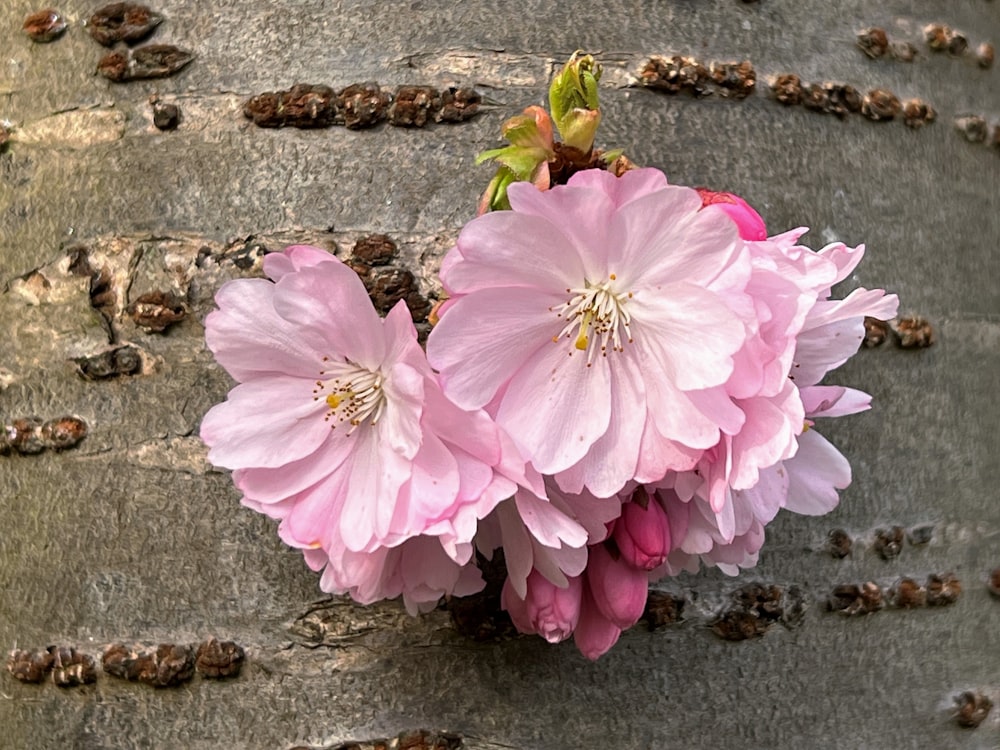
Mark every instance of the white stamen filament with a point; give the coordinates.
(595, 313)
(353, 394)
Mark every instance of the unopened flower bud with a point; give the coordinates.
(573, 101)
(642, 533)
(749, 223)
(595, 634)
(619, 589)
(548, 610)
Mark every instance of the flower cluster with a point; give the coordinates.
(622, 384)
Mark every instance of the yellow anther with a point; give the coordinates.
(333, 400)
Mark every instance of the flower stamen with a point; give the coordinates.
(595, 313)
(355, 394)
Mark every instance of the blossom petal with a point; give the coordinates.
(502, 249)
(834, 401)
(556, 424)
(293, 259)
(612, 459)
(689, 335)
(270, 421)
(634, 184)
(547, 524)
(583, 215)
(663, 236)
(433, 487)
(485, 337)
(251, 340)
(516, 547)
(376, 476)
(815, 474)
(268, 485)
(313, 517)
(658, 455)
(328, 303)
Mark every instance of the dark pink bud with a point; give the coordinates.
(548, 610)
(642, 533)
(619, 589)
(595, 633)
(749, 223)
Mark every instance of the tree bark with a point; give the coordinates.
(131, 536)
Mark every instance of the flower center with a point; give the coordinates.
(353, 394)
(598, 316)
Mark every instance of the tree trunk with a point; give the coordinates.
(132, 537)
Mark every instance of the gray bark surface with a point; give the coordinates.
(132, 537)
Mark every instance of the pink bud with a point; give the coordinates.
(548, 610)
(619, 590)
(749, 223)
(642, 533)
(595, 633)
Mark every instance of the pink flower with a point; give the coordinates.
(776, 459)
(598, 322)
(618, 589)
(643, 532)
(595, 634)
(547, 609)
(749, 222)
(338, 427)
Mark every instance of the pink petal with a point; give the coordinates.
(558, 565)
(658, 455)
(768, 496)
(677, 419)
(815, 474)
(432, 490)
(547, 524)
(377, 475)
(845, 258)
(678, 514)
(473, 431)
(401, 339)
(556, 407)
(268, 485)
(593, 513)
(662, 237)
(501, 249)
(399, 425)
(834, 401)
(516, 547)
(612, 459)
(270, 421)
(485, 337)
(632, 185)
(250, 339)
(294, 258)
(582, 214)
(716, 404)
(313, 519)
(328, 303)
(688, 334)
(768, 436)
